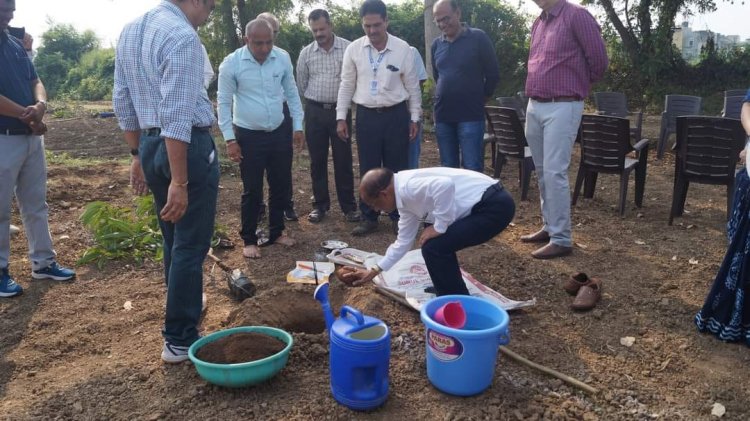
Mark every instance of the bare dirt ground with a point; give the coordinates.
(72, 351)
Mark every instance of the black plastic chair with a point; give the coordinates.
(615, 104)
(735, 92)
(732, 107)
(510, 139)
(513, 102)
(707, 152)
(675, 106)
(605, 148)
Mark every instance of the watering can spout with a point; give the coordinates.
(321, 294)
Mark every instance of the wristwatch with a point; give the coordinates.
(134, 152)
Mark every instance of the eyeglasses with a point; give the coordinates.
(444, 20)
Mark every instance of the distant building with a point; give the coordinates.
(690, 42)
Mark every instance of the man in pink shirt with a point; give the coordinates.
(567, 55)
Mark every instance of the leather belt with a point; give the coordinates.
(557, 99)
(323, 105)
(383, 109)
(16, 132)
(155, 131)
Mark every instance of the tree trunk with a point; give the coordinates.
(431, 31)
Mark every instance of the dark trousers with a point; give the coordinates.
(487, 219)
(186, 242)
(320, 131)
(288, 128)
(269, 153)
(382, 141)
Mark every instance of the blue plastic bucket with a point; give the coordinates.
(462, 361)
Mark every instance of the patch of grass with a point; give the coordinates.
(64, 159)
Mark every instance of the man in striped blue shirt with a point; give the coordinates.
(163, 108)
(254, 82)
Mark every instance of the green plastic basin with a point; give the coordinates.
(242, 374)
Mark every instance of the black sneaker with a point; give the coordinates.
(365, 228)
(316, 215)
(290, 215)
(353, 216)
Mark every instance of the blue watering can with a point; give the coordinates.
(359, 355)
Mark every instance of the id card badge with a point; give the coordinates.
(374, 87)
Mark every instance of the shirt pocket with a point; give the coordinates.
(392, 78)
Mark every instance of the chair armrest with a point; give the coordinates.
(643, 143)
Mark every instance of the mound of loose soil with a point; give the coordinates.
(240, 348)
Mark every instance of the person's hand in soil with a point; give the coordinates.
(137, 179)
(355, 277)
(234, 152)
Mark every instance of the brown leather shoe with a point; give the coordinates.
(575, 282)
(550, 251)
(588, 296)
(540, 236)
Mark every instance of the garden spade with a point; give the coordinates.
(240, 286)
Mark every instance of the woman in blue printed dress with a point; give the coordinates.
(726, 312)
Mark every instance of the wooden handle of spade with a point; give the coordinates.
(221, 264)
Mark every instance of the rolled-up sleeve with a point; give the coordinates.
(181, 84)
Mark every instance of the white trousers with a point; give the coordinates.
(551, 129)
(23, 172)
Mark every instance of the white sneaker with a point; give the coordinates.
(174, 354)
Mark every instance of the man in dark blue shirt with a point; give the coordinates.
(23, 170)
(465, 70)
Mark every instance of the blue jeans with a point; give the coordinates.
(186, 242)
(466, 135)
(415, 149)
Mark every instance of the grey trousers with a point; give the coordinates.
(23, 172)
(551, 129)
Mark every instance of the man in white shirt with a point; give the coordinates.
(378, 75)
(461, 208)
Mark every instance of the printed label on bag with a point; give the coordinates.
(444, 347)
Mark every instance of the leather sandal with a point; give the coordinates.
(575, 282)
(588, 296)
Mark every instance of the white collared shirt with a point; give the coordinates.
(439, 196)
(396, 77)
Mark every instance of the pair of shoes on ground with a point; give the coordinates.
(55, 272)
(318, 215)
(587, 291)
(549, 251)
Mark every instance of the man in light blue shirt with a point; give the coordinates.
(254, 82)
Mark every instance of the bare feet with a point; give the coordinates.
(286, 240)
(251, 252)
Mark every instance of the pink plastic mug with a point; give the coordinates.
(451, 314)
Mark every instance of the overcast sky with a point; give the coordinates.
(107, 17)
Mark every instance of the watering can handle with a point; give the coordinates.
(346, 310)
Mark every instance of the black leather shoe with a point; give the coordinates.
(365, 228)
(290, 215)
(316, 215)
